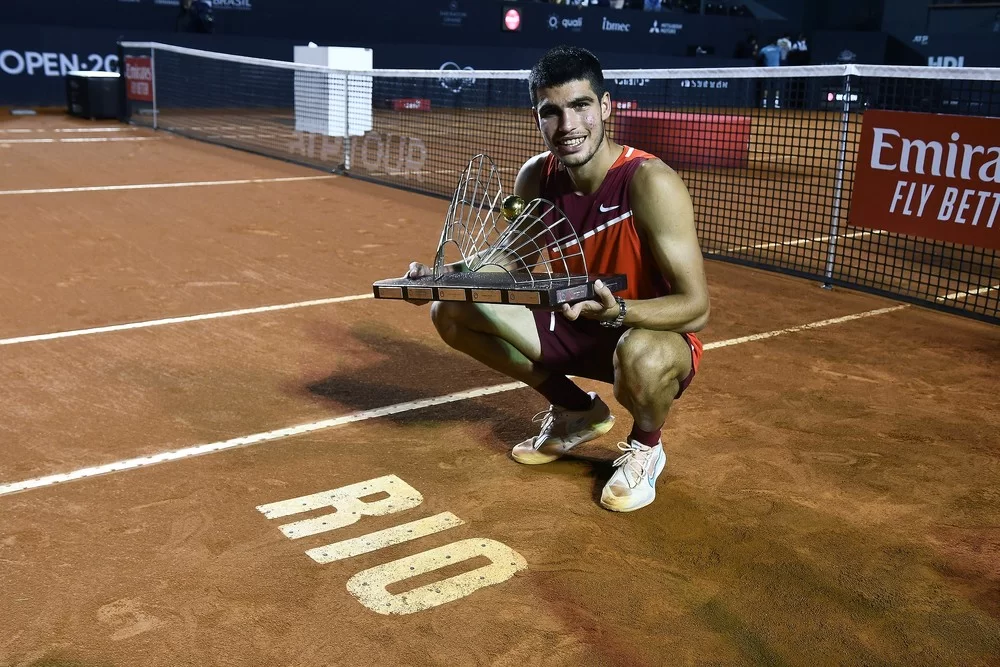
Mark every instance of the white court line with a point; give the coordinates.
(818, 239)
(76, 140)
(179, 320)
(153, 186)
(962, 295)
(94, 129)
(364, 415)
(803, 327)
(86, 140)
(423, 172)
(68, 129)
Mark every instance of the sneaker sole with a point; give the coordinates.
(536, 457)
(609, 505)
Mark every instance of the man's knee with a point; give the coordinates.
(645, 360)
(448, 317)
(513, 324)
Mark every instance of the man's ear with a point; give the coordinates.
(605, 105)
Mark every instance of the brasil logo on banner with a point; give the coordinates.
(931, 175)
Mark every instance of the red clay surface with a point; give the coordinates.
(831, 494)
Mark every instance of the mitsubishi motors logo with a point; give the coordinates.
(664, 28)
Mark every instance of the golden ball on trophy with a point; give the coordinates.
(512, 207)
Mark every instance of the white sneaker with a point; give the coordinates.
(634, 483)
(562, 430)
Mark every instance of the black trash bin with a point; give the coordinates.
(92, 95)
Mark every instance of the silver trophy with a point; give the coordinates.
(510, 251)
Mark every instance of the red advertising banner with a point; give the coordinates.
(411, 104)
(930, 175)
(139, 75)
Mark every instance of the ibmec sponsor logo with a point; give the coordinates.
(614, 26)
(555, 22)
(930, 175)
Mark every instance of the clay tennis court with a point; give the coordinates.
(831, 494)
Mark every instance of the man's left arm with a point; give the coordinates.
(664, 216)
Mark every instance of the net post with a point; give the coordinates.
(123, 111)
(347, 123)
(838, 184)
(152, 67)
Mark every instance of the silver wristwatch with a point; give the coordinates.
(618, 321)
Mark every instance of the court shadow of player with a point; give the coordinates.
(407, 371)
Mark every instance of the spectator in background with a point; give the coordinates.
(798, 56)
(747, 48)
(799, 53)
(770, 56)
(195, 16)
(785, 44)
(996, 22)
(183, 22)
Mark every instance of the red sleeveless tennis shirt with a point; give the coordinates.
(605, 224)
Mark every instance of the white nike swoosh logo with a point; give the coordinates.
(605, 210)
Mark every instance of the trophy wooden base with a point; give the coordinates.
(496, 287)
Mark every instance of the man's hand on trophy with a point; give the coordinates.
(417, 270)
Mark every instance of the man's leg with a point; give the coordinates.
(501, 336)
(506, 339)
(649, 369)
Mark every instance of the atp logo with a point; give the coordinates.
(456, 84)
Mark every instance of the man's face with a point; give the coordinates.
(571, 119)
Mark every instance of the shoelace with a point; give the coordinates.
(633, 460)
(546, 418)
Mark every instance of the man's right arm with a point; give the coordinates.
(527, 186)
(528, 183)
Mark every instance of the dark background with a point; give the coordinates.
(41, 39)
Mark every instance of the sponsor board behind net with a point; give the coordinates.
(139, 74)
(238, 5)
(930, 175)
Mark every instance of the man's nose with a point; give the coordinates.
(568, 121)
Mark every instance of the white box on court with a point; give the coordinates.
(332, 102)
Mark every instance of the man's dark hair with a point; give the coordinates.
(563, 64)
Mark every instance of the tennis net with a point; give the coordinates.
(884, 179)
